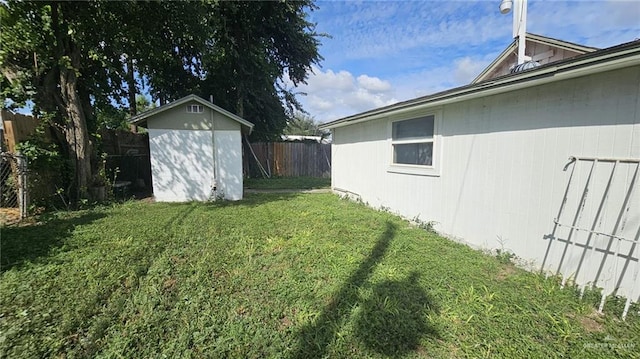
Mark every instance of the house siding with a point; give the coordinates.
(501, 178)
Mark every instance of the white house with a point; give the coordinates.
(196, 150)
(542, 163)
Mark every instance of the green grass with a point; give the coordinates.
(287, 183)
(279, 275)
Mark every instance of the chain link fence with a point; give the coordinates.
(13, 188)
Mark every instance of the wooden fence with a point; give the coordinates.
(17, 128)
(290, 159)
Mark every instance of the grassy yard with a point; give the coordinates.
(287, 183)
(279, 275)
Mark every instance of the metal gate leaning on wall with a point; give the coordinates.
(595, 237)
(13, 187)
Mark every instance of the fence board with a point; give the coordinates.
(291, 159)
(17, 128)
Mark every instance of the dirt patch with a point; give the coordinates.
(9, 216)
(169, 284)
(506, 272)
(285, 323)
(591, 322)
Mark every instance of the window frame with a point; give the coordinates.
(198, 108)
(435, 139)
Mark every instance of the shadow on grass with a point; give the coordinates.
(393, 319)
(253, 199)
(372, 326)
(33, 242)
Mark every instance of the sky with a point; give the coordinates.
(383, 52)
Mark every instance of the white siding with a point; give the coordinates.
(181, 164)
(229, 167)
(501, 177)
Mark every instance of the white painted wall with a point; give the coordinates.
(501, 178)
(229, 167)
(181, 164)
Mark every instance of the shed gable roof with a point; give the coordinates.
(143, 117)
(615, 57)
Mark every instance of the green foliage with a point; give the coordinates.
(49, 172)
(78, 61)
(279, 275)
(303, 124)
(143, 104)
(256, 45)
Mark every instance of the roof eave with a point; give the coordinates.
(141, 119)
(538, 76)
(503, 55)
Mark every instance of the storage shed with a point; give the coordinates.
(196, 150)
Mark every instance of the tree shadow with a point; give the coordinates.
(19, 244)
(315, 337)
(393, 319)
(253, 200)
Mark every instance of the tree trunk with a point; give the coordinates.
(75, 132)
(75, 124)
(131, 84)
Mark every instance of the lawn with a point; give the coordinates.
(287, 183)
(279, 275)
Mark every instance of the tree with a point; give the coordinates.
(41, 61)
(256, 46)
(74, 64)
(78, 61)
(303, 124)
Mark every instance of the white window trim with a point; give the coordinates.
(198, 108)
(420, 170)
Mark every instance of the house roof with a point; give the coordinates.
(141, 119)
(513, 47)
(611, 58)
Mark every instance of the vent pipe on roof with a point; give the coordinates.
(519, 23)
(527, 65)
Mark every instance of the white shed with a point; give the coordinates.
(196, 150)
(542, 163)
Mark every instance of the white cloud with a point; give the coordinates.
(373, 84)
(332, 95)
(401, 50)
(466, 69)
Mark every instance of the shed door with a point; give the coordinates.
(181, 164)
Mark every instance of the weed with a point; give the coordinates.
(428, 226)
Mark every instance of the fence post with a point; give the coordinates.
(23, 202)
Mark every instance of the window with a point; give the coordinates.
(195, 109)
(412, 141)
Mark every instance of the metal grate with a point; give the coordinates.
(597, 228)
(13, 191)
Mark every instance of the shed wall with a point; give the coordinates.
(177, 118)
(229, 167)
(501, 178)
(181, 164)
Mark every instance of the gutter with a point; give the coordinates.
(553, 72)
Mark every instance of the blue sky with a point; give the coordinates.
(382, 52)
